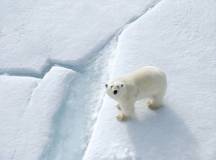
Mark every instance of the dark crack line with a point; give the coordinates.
(25, 72)
(77, 67)
(114, 41)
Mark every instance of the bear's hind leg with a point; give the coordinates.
(155, 102)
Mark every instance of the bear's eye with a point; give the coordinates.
(122, 85)
(106, 85)
(111, 86)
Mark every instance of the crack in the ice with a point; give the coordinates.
(114, 42)
(26, 72)
(111, 41)
(143, 13)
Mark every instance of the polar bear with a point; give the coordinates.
(146, 82)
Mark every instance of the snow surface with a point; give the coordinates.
(36, 34)
(15, 93)
(75, 121)
(180, 38)
(51, 112)
(47, 98)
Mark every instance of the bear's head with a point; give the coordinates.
(116, 89)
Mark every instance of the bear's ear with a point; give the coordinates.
(106, 85)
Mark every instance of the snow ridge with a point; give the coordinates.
(73, 65)
(110, 47)
(100, 62)
(73, 130)
(35, 131)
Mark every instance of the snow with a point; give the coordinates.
(75, 121)
(180, 38)
(35, 131)
(56, 56)
(35, 34)
(15, 93)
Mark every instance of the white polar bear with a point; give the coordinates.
(146, 82)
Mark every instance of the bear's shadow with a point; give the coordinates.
(162, 135)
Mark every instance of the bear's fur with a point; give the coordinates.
(146, 82)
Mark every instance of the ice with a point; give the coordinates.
(36, 126)
(56, 56)
(74, 123)
(178, 37)
(35, 34)
(15, 93)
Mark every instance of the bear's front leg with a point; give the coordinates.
(121, 116)
(127, 111)
(118, 107)
(129, 108)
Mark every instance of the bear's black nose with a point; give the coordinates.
(115, 92)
